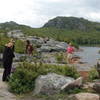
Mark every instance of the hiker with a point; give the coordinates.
(8, 56)
(29, 48)
(70, 52)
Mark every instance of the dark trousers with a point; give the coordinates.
(6, 73)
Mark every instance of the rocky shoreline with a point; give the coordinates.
(52, 52)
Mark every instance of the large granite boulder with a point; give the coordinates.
(51, 83)
(84, 96)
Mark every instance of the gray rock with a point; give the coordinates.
(18, 56)
(48, 57)
(84, 96)
(15, 33)
(53, 45)
(51, 83)
(45, 48)
(96, 87)
(76, 83)
(88, 85)
(35, 40)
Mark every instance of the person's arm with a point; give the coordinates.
(12, 53)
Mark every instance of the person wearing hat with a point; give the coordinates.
(8, 56)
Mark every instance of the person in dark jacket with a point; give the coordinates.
(8, 56)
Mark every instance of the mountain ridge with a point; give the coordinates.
(68, 23)
(79, 30)
(72, 23)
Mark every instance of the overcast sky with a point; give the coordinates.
(36, 13)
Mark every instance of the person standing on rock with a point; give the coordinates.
(8, 56)
(70, 52)
(29, 48)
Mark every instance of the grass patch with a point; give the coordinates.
(93, 74)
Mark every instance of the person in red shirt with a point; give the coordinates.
(70, 51)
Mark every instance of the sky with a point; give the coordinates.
(36, 13)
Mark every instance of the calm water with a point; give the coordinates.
(89, 55)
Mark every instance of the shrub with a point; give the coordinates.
(3, 41)
(1, 48)
(23, 58)
(22, 80)
(75, 45)
(61, 57)
(19, 46)
(72, 72)
(93, 74)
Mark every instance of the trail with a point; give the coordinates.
(4, 93)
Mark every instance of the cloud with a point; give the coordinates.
(37, 12)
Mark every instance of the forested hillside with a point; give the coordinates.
(65, 29)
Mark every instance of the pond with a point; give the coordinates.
(89, 55)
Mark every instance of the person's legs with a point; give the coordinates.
(4, 77)
(9, 72)
(69, 58)
(72, 58)
(6, 73)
